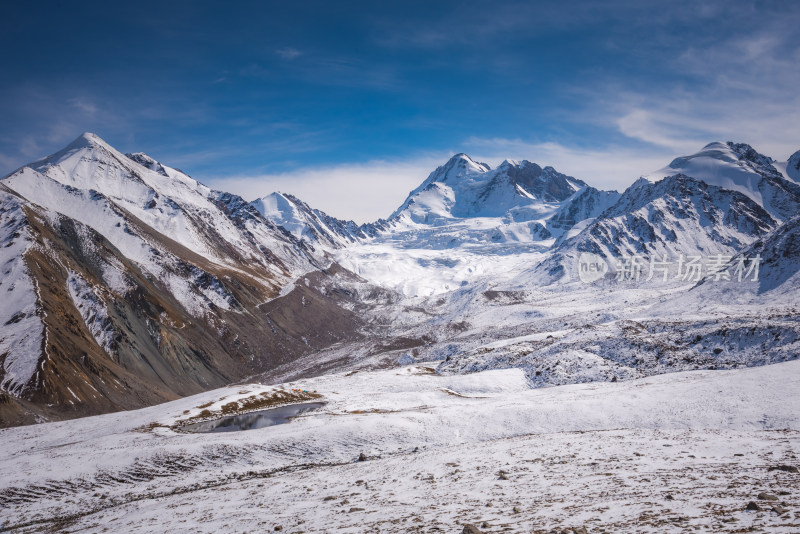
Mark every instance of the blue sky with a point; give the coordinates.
(350, 105)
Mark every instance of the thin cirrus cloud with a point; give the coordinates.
(288, 53)
(659, 129)
(774, 133)
(743, 89)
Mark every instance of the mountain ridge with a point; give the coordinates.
(130, 283)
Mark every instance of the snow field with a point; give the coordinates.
(147, 477)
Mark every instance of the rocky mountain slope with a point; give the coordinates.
(312, 225)
(678, 215)
(792, 167)
(772, 285)
(129, 283)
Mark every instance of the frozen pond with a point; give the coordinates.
(253, 420)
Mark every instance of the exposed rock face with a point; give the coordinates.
(587, 204)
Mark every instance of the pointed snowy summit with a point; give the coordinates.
(457, 167)
(463, 188)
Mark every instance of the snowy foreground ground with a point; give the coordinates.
(670, 453)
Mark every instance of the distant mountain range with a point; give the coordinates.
(127, 283)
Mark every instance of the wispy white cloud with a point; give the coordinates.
(743, 88)
(288, 53)
(29, 146)
(772, 130)
(657, 129)
(84, 106)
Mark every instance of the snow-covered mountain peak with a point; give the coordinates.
(312, 225)
(509, 163)
(463, 161)
(87, 139)
(740, 154)
(88, 157)
(89, 162)
(281, 210)
(457, 167)
(89, 177)
(738, 167)
(546, 184)
(679, 214)
(463, 188)
(749, 154)
(640, 182)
